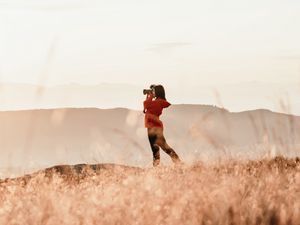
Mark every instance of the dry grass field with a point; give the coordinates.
(228, 192)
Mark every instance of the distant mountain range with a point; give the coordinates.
(42, 138)
(235, 97)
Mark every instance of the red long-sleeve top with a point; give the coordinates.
(153, 109)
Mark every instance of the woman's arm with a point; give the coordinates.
(166, 104)
(148, 101)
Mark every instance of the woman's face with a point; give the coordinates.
(153, 92)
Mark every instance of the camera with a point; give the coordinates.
(148, 91)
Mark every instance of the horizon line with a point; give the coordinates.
(136, 110)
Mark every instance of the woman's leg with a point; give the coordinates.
(155, 149)
(161, 142)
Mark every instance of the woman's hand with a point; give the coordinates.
(149, 95)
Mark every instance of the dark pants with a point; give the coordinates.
(157, 140)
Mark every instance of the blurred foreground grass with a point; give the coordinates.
(228, 192)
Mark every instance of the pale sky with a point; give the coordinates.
(179, 43)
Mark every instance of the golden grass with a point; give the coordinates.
(232, 192)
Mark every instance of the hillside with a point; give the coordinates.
(39, 138)
(229, 192)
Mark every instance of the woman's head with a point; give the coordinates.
(159, 92)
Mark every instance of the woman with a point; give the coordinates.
(153, 106)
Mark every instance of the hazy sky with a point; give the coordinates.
(158, 41)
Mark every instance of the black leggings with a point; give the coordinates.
(156, 141)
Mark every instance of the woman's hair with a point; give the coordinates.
(160, 92)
